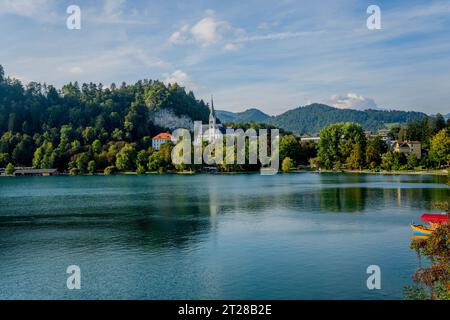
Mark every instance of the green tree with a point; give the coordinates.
(156, 161)
(355, 159)
(109, 170)
(287, 164)
(91, 167)
(97, 146)
(290, 148)
(440, 148)
(375, 148)
(4, 159)
(387, 161)
(9, 169)
(412, 161)
(141, 161)
(82, 161)
(337, 143)
(126, 158)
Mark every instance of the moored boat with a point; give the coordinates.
(422, 230)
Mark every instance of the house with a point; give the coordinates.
(159, 139)
(407, 147)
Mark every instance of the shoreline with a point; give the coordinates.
(444, 172)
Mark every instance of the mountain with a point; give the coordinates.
(312, 118)
(249, 115)
(447, 116)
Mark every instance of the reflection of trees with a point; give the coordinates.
(343, 199)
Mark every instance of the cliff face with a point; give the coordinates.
(166, 118)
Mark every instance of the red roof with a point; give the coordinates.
(163, 135)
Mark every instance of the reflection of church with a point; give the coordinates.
(212, 130)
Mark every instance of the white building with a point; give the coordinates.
(161, 138)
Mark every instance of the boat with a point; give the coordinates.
(418, 237)
(435, 219)
(422, 230)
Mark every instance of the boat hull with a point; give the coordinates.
(421, 230)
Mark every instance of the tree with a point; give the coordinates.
(109, 170)
(287, 164)
(82, 161)
(91, 167)
(439, 123)
(375, 148)
(141, 161)
(412, 161)
(387, 161)
(338, 141)
(9, 169)
(290, 148)
(440, 148)
(156, 161)
(355, 159)
(126, 158)
(97, 146)
(4, 159)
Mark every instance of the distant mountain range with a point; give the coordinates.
(312, 118)
(249, 115)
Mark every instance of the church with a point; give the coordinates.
(212, 130)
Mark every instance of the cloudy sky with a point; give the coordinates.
(274, 55)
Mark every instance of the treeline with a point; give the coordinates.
(345, 146)
(87, 127)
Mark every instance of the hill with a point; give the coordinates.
(312, 118)
(249, 115)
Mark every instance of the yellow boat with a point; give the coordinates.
(417, 237)
(422, 230)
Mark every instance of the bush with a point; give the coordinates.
(287, 164)
(109, 170)
(9, 169)
(91, 167)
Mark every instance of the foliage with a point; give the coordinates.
(440, 147)
(287, 164)
(91, 167)
(9, 169)
(436, 277)
(340, 141)
(109, 170)
(68, 128)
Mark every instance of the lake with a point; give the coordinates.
(242, 236)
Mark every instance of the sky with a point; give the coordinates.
(273, 55)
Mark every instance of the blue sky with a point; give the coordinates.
(275, 55)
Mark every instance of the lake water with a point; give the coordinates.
(245, 236)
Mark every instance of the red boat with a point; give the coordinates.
(435, 218)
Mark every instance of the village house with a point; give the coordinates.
(407, 147)
(161, 138)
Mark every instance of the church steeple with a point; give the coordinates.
(213, 113)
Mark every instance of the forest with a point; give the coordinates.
(89, 127)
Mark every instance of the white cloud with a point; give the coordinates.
(231, 47)
(352, 101)
(181, 78)
(25, 8)
(38, 10)
(75, 70)
(205, 32)
(275, 36)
